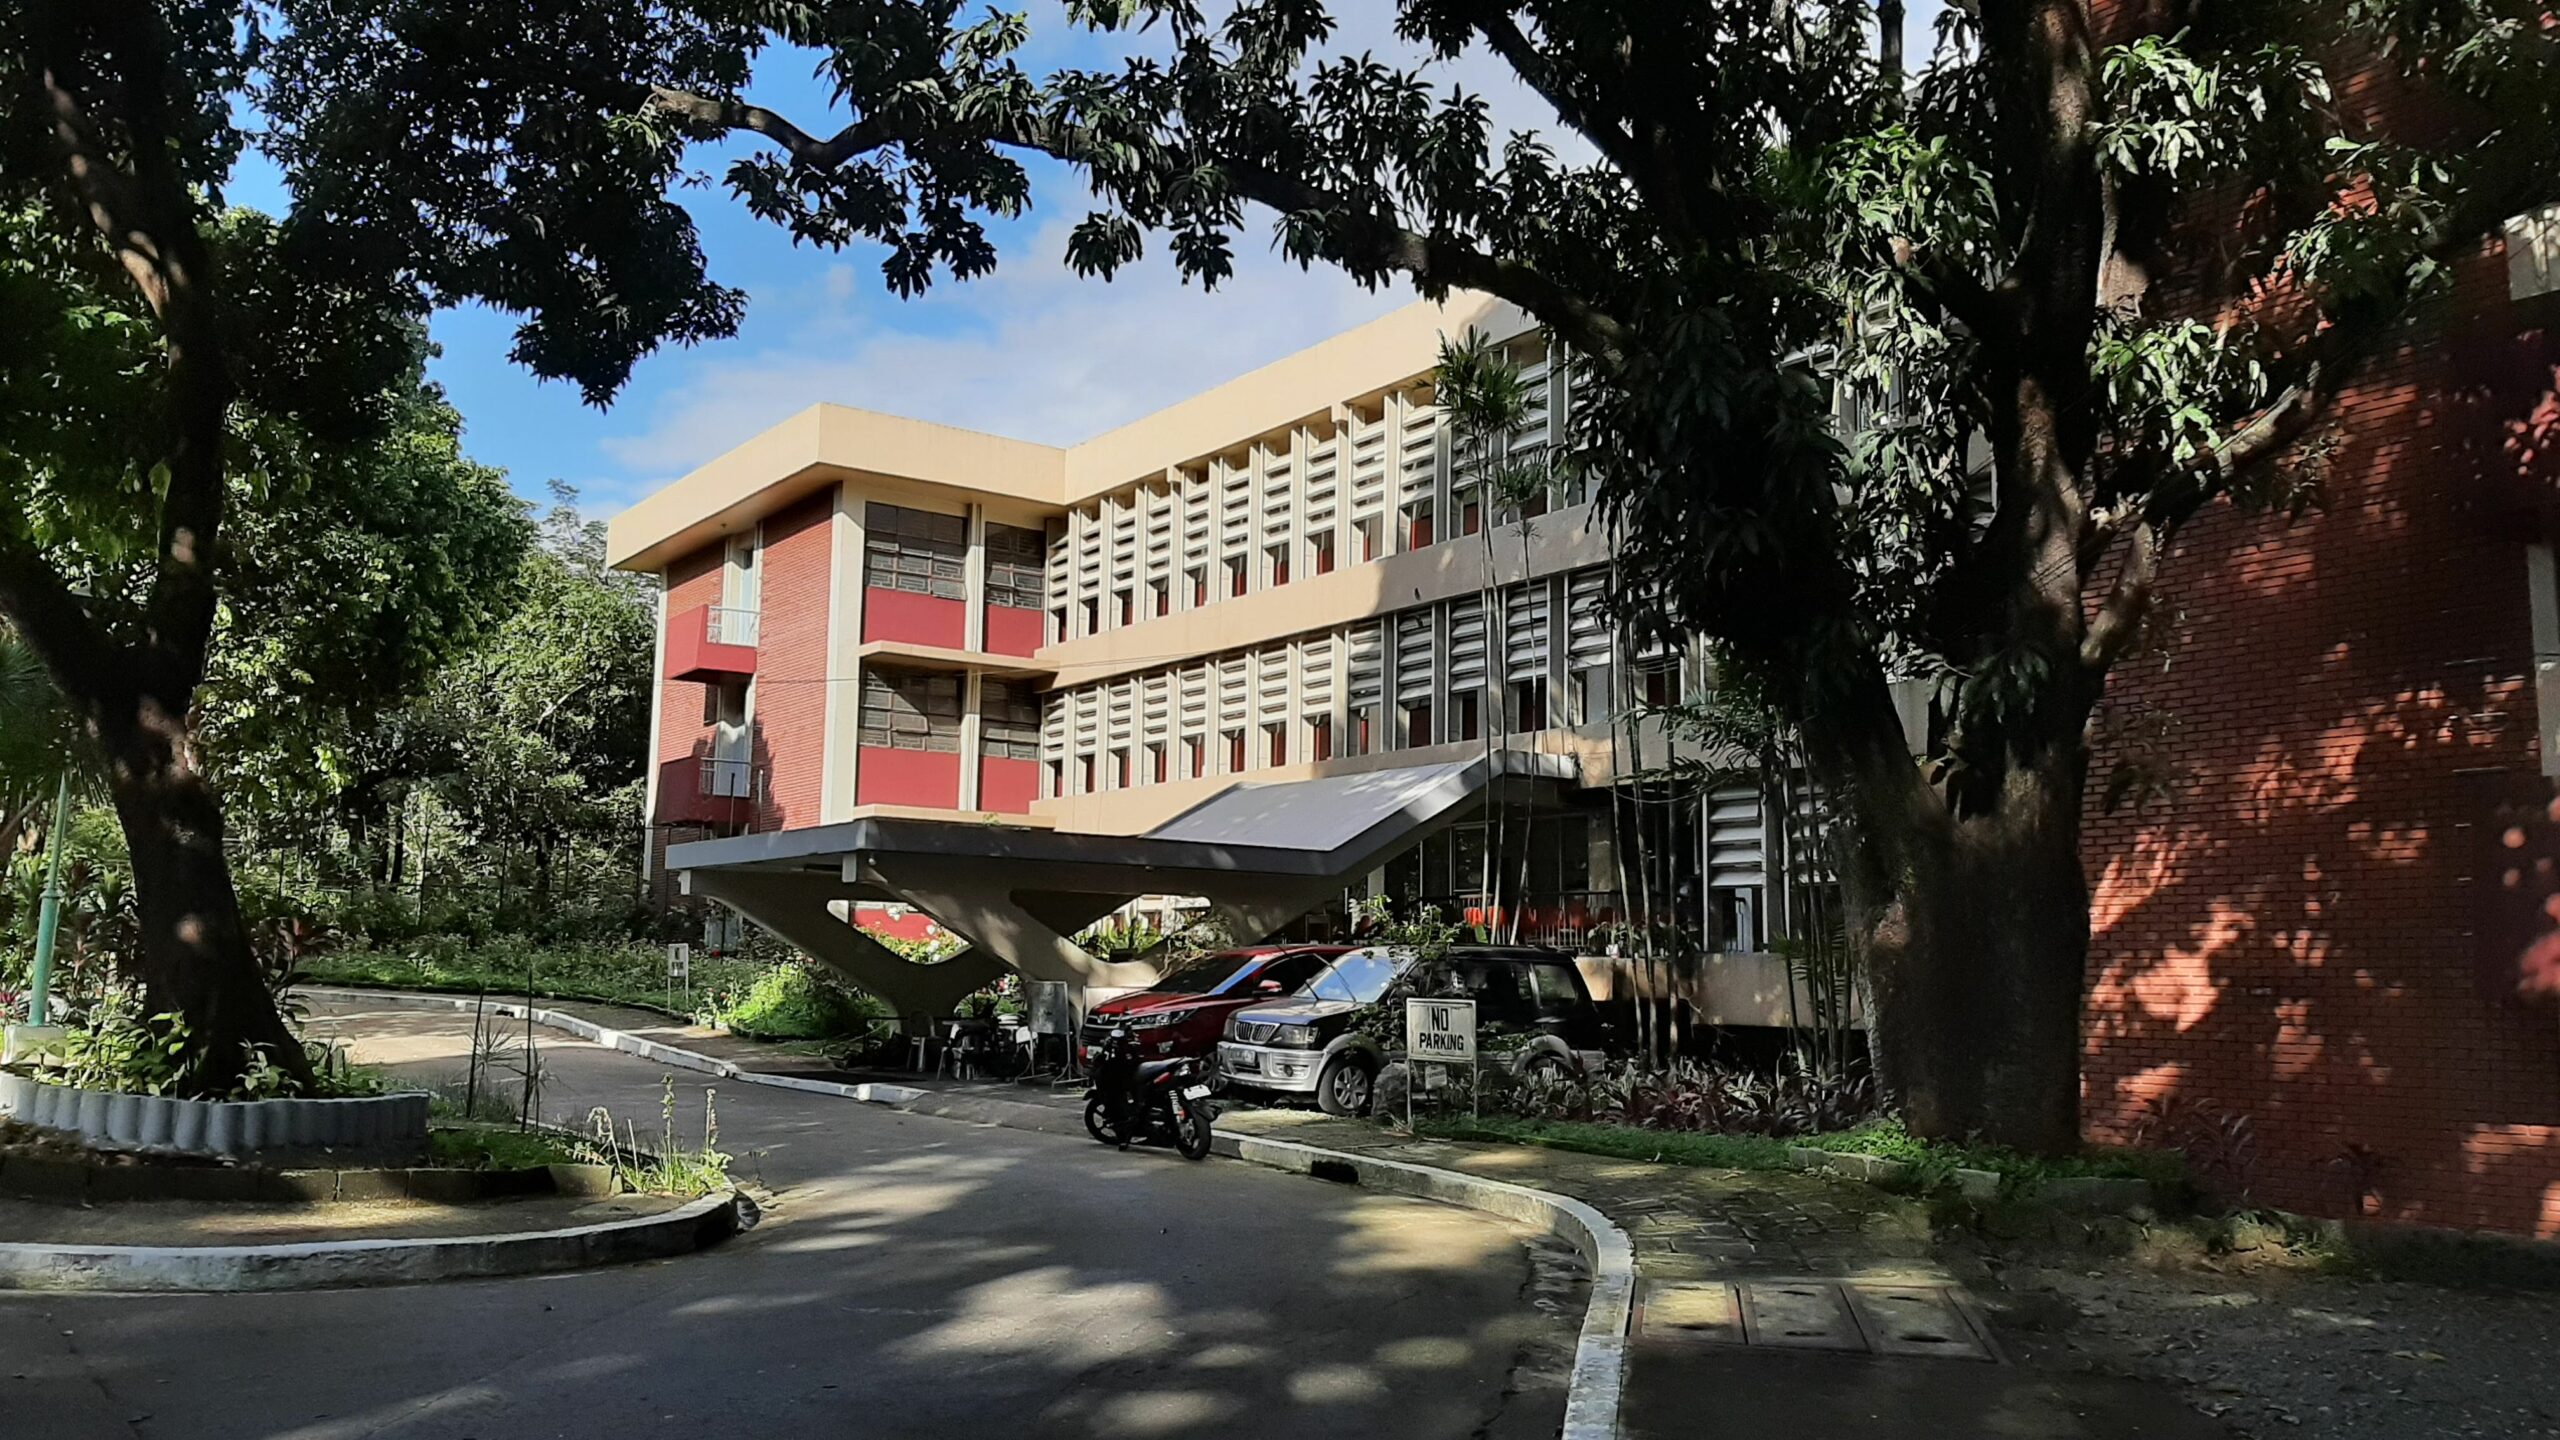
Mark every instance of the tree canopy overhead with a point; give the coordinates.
(2095, 267)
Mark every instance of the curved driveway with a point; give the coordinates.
(914, 1277)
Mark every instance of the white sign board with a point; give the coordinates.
(679, 961)
(1440, 1032)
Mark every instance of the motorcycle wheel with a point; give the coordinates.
(1191, 1134)
(1097, 1122)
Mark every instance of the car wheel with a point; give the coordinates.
(1346, 1085)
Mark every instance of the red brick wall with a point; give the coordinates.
(1012, 630)
(791, 661)
(2290, 934)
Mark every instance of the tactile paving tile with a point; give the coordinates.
(1871, 1317)
(1705, 1311)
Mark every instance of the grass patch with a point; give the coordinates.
(478, 1148)
(1933, 1162)
(1618, 1142)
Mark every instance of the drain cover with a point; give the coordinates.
(1849, 1318)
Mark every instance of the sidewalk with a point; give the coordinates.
(1765, 1299)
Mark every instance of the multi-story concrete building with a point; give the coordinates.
(1269, 646)
(880, 633)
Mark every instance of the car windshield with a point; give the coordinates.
(1212, 974)
(1359, 977)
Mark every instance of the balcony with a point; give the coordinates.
(709, 790)
(712, 643)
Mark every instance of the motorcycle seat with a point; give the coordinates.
(1151, 1069)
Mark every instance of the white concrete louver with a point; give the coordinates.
(1366, 672)
(1368, 464)
(1737, 842)
(1590, 640)
(1525, 616)
(1466, 644)
(1416, 681)
(1315, 676)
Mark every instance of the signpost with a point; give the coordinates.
(679, 968)
(1437, 1032)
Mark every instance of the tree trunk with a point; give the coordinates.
(196, 959)
(1974, 930)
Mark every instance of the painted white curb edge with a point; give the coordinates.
(333, 1263)
(1599, 1357)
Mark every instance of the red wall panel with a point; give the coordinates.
(1008, 786)
(1014, 631)
(916, 619)
(908, 777)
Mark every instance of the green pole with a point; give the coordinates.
(49, 917)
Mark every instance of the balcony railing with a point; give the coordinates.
(1566, 919)
(710, 644)
(730, 780)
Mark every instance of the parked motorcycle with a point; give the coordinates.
(1134, 1099)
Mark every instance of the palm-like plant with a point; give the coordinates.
(36, 738)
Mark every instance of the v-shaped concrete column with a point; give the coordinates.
(984, 902)
(799, 907)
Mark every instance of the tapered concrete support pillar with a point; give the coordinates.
(1251, 916)
(977, 900)
(797, 908)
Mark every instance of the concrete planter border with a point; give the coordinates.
(1600, 1353)
(85, 1182)
(342, 1263)
(109, 1120)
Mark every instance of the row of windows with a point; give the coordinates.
(918, 551)
(1432, 675)
(910, 709)
(1017, 566)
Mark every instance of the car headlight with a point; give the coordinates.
(1295, 1037)
(1158, 1019)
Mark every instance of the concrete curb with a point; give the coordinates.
(1600, 1355)
(335, 1264)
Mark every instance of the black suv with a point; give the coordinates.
(1315, 1044)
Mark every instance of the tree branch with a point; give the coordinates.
(1648, 169)
(860, 137)
(2119, 619)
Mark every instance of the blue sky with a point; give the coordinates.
(1031, 351)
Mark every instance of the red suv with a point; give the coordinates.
(1187, 1010)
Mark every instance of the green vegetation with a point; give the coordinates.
(1933, 1162)
(483, 1147)
(795, 1001)
(666, 1166)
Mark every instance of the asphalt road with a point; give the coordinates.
(913, 1277)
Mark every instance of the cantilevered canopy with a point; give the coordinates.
(1261, 854)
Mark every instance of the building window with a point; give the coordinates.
(1658, 680)
(725, 703)
(1017, 566)
(1367, 535)
(1008, 720)
(1591, 695)
(1535, 505)
(916, 551)
(1275, 564)
(1417, 525)
(1057, 778)
(1466, 715)
(1235, 752)
(1320, 553)
(2533, 253)
(1417, 724)
(1195, 757)
(1125, 604)
(1157, 762)
(1092, 615)
(1528, 705)
(1119, 769)
(910, 710)
(1058, 624)
(1199, 578)
(1471, 514)
(1237, 573)
(1159, 598)
(1275, 744)
(1320, 739)
(1363, 737)
(1084, 774)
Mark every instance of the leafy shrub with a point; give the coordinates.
(792, 1001)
